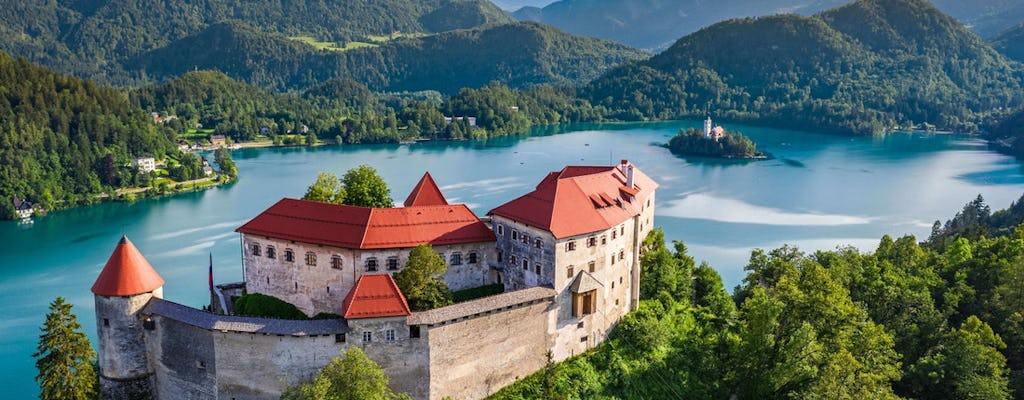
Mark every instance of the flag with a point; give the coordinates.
(211, 273)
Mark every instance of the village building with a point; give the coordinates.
(567, 254)
(23, 208)
(218, 141)
(145, 164)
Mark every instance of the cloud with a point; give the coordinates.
(705, 206)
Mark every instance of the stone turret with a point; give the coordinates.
(124, 287)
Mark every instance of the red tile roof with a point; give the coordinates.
(375, 296)
(127, 273)
(426, 193)
(580, 200)
(353, 227)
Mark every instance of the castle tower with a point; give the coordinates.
(124, 287)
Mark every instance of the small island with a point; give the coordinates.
(713, 142)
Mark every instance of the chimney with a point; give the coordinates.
(627, 170)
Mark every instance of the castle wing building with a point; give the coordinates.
(311, 254)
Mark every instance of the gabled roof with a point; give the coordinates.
(581, 199)
(426, 193)
(584, 282)
(21, 204)
(375, 296)
(127, 273)
(353, 227)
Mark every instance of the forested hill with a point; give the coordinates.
(864, 68)
(655, 24)
(64, 140)
(92, 37)
(518, 54)
(1011, 42)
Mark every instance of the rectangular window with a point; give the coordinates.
(414, 331)
(371, 264)
(592, 266)
(525, 239)
(591, 241)
(367, 336)
(392, 263)
(501, 230)
(536, 269)
(536, 243)
(500, 254)
(289, 255)
(512, 260)
(271, 252)
(622, 230)
(583, 339)
(456, 259)
(622, 255)
(568, 272)
(339, 338)
(389, 335)
(311, 259)
(604, 239)
(584, 303)
(515, 234)
(472, 258)
(256, 249)
(526, 264)
(570, 246)
(615, 234)
(336, 262)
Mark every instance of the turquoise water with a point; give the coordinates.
(818, 192)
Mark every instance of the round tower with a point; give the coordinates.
(124, 287)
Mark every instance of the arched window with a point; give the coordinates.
(271, 252)
(289, 255)
(255, 249)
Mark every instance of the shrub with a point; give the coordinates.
(261, 305)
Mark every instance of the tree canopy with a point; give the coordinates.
(351, 377)
(64, 357)
(422, 279)
(326, 189)
(365, 188)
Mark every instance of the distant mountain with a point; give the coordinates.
(92, 37)
(1011, 43)
(65, 140)
(863, 68)
(656, 24)
(518, 54)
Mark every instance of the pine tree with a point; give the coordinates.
(64, 357)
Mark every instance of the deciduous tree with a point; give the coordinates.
(422, 280)
(326, 189)
(352, 377)
(365, 188)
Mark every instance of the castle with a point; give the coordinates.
(567, 254)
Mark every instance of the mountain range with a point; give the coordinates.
(656, 24)
(864, 68)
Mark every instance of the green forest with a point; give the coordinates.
(866, 68)
(940, 319)
(64, 140)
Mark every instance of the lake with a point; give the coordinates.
(818, 192)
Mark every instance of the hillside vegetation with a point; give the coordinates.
(936, 320)
(92, 38)
(64, 140)
(1011, 43)
(656, 24)
(519, 55)
(865, 68)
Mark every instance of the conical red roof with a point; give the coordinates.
(127, 273)
(426, 193)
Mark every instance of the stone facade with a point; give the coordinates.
(124, 368)
(322, 286)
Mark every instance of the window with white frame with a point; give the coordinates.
(311, 259)
(336, 262)
(255, 249)
(371, 264)
(456, 259)
(367, 336)
(389, 335)
(271, 252)
(392, 263)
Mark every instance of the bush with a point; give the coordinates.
(460, 296)
(261, 305)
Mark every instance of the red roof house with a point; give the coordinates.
(126, 273)
(582, 199)
(375, 296)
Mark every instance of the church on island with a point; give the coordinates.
(567, 254)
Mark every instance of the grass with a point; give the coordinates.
(460, 296)
(330, 46)
(195, 134)
(393, 36)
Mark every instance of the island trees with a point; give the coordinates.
(422, 280)
(352, 377)
(64, 357)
